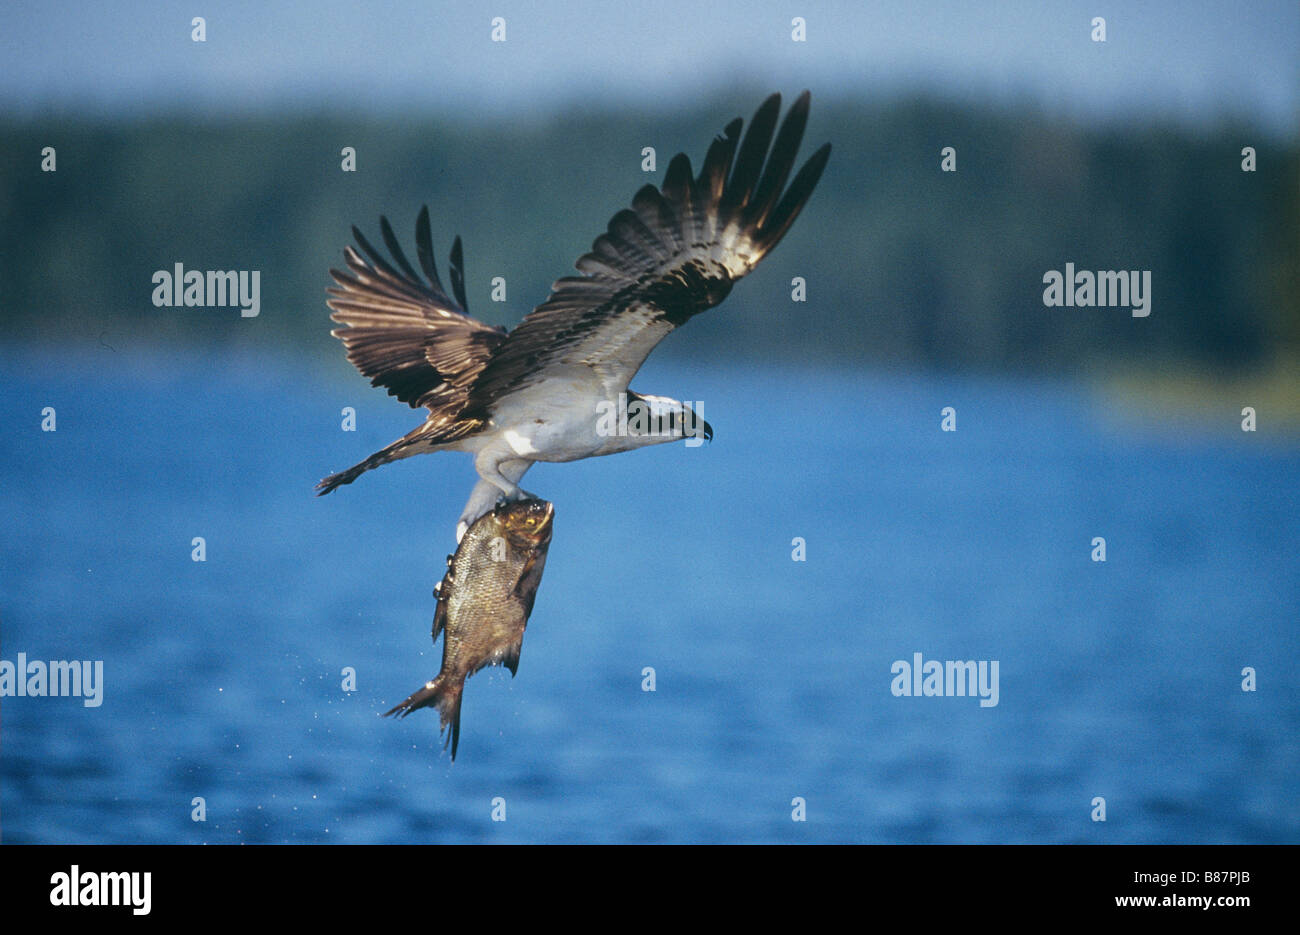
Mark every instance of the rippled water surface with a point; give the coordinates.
(223, 679)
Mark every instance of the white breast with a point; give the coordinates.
(554, 420)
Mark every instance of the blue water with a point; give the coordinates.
(223, 679)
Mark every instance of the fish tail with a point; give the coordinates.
(445, 695)
(449, 709)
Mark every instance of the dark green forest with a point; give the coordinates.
(905, 264)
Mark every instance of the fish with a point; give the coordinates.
(484, 602)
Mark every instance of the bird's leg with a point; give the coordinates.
(505, 473)
(481, 500)
(498, 483)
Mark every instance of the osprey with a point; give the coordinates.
(535, 393)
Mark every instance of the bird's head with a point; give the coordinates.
(655, 419)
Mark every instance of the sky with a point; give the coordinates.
(1195, 62)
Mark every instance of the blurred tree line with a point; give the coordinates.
(904, 263)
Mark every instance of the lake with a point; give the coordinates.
(774, 678)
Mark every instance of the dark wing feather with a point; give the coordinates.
(407, 334)
(458, 274)
(675, 253)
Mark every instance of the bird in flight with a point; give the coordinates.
(536, 393)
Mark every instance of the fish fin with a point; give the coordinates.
(440, 612)
(530, 579)
(420, 699)
(450, 710)
(525, 581)
(443, 694)
(510, 658)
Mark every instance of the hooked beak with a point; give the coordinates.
(708, 432)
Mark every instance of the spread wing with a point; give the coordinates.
(407, 334)
(675, 253)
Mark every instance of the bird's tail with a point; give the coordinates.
(393, 452)
(430, 436)
(443, 693)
